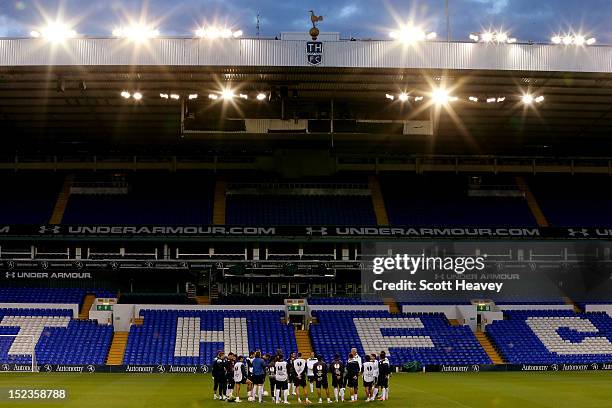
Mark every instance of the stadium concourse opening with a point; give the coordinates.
(304, 219)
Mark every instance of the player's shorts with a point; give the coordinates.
(338, 382)
(383, 382)
(250, 377)
(281, 385)
(368, 384)
(230, 384)
(258, 379)
(352, 382)
(299, 382)
(311, 378)
(322, 383)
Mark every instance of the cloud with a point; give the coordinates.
(348, 11)
(494, 6)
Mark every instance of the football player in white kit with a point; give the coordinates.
(368, 377)
(312, 360)
(240, 376)
(282, 376)
(376, 372)
(299, 366)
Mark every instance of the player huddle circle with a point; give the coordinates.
(297, 374)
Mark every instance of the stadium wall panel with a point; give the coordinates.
(275, 53)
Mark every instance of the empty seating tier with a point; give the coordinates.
(194, 337)
(553, 336)
(426, 338)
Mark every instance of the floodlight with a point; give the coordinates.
(137, 96)
(54, 32)
(261, 96)
(125, 94)
(403, 97)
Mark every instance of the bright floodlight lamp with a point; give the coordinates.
(227, 94)
(591, 41)
(556, 39)
(567, 39)
(418, 98)
(501, 99)
(125, 94)
(213, 32)
(501, 37)
(163, 95)
(213, 96)
(539, 99)
(527, 99)
(243, 96)
(136, 33)
(440, 96)
(579, 40)
(411, 34)
(192, 96)
(403, 97)
(487, 36)
(137, 96)
(261, 96)
(54, 32)
(174, 96)
(473, 99)
(475, 37)
(389, 96)
(491, 100)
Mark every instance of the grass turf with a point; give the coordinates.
(430, 390)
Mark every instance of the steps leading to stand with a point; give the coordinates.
(378, 202)
(302, 339)
(536, 211)
(203, 300)
(219, 203)
(393, 306)
(87, 302)
(491, 351)
(62, 201)
(453, 322)
(569, 301)
(117, 348)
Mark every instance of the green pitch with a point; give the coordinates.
(430, 390)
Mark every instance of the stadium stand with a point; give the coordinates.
(23, 204)
(426, 338)
(342, 301)
(436, 200)
(63, 340)
(50, 295)
(300, 210)
(156, 298)
(553, 337)
(569, 201)
(194, 337)
(152, 199)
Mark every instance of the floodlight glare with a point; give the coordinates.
(411, 34)
(243, 96)
(501, 99)
(403, 97)
(591, 41)
(389, 96)
(193, 96)
(261, 96)
(163, 95)
(125, 94)
(213, 32)
(527, 99)
(227, 94)
(54, 32)
(136, 32)
(473, 99)
(539, 99)
(491, 100)
(487, 37)
(440, 96)
(176, 97)
(474, 37)
(137, 96)
(556, 39)
(418, 98)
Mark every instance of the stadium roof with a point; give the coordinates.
(70, 92)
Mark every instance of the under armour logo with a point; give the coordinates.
(78, 265)
(114, 265)
(148, 264)
(313, 231)
(573, 232)
(49, 230)
(91, 368)
(476, 367)
(555, 367)
(11, 265)
(161, 368)
(10, 274)
(48, 368)
(44, 265)
(5, 367)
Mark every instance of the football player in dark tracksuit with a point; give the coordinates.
(219, 376)
(229, 374)
(384, 372)
(352, 376)
(338, 378)
(320, 370)
(271, 371)
(291, 372)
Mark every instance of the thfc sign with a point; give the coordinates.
(314, 52)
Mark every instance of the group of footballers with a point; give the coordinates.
(295, 375)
